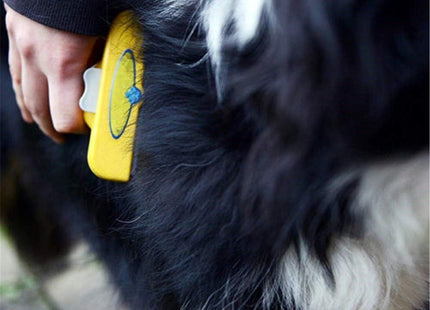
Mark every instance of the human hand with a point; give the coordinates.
(46, 66)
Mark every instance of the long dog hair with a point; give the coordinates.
(281, 161)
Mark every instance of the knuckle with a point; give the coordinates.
(66, 69)
(9, 25)
(15, 74)
(26, 48)
(35, 110)
(65, 66)
(10, 21)
(16, 80)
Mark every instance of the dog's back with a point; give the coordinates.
(286, 168)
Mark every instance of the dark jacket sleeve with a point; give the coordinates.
(89, 17)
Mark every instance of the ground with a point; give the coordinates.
(83, 285)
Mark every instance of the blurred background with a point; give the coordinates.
(80, 284)
(78, 281)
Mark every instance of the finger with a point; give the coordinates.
(15, 72)
(35, 95)
(64, 96)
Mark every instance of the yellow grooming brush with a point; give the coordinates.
(111, 101)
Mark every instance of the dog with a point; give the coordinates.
(280, 162)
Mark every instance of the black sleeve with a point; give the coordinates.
(89, 17)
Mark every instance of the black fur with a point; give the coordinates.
(221, 188)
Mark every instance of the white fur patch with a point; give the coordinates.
(215, 19)
(247, 15)
(244, 16)
(385, 270)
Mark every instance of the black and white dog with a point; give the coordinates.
(281, 161)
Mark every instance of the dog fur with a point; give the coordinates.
(281, 161)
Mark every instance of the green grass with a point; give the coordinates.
(14, 291)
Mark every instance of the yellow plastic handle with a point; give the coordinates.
(113, 125)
